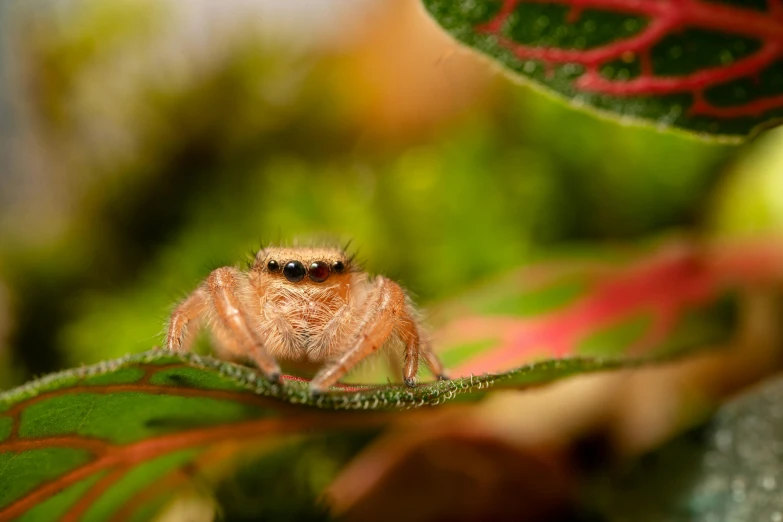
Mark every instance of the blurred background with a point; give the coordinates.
(143, 144)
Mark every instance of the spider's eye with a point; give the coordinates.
(273, 266)
(319, 271)
(338, 267)
(294, 271)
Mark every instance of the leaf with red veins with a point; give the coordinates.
(710, 67)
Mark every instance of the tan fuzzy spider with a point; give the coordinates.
(307, 305)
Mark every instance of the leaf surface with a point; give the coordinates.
(714, 67)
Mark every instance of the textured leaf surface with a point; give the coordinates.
(100, 442)
(713, 67)
(112, 441)
(730, 469)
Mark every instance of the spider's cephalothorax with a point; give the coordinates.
(303, 304)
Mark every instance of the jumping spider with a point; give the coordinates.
(312, 305)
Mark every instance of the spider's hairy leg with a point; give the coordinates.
(410, 334)
(225, 347)
(224, 286)
(417, 345)
(433, 362)
(185, 320)
(379, 318)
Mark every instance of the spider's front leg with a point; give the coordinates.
(220, 296)
(225, 285)
(385, 311)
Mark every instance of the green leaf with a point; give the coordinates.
(78, 443)
(98, 442)
(729, 469)
(115, 439)
(712, 67)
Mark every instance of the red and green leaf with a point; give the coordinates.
(112, 441)
(97, 443)
(712, 67)
(620, 307)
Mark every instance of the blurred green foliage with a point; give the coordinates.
(255, 147)
(421, 215)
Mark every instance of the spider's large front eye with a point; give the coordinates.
(319, 271)
(294, 271)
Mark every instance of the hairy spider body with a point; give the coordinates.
(310, 305)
